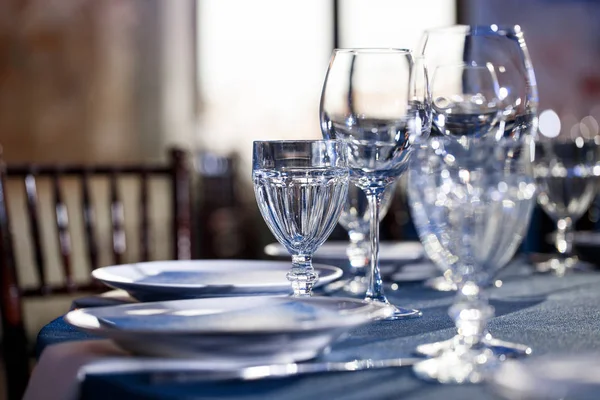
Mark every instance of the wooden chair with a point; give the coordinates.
(15, 346)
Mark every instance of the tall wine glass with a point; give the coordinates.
(355, 220)
(566, 170)
(465, 99)
(504, 49)
(475, 201)
(300, 188)
(501, 49)
(377, 101)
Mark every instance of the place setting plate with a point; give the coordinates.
(336, 250)
(173, 280)
(232, 331)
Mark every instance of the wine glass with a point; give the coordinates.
(300, 189)
(355, 220)
(503, 50)
(377, 101)
(474, 204)
(465, 99)
(566, 170)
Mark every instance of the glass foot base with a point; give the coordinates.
(458, 366)
(560, 266)
(500, 348)
(398, 312)
(440, 283)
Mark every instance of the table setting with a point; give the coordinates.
(460, 313)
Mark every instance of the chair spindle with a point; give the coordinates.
(64, 236)
(117, 216)
(34, 224)
(144, 220)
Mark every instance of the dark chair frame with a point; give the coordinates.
(15, 347)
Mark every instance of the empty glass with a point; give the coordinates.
(355, 220)
(566, 171)
(465, 99)
(510, 77)
(472, 204)
(377, 101)
(300, 188)
(465, 102)
(499, 48)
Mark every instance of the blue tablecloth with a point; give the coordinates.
(551, 314)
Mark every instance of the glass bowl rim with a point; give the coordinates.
(491, 29)
(372, 50)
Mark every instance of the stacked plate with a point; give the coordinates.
(231, 313)
(171, 280)
(234, 331)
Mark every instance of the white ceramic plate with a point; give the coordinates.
(240, 330)
(173, 280)
(388, 251)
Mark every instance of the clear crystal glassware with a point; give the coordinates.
(503, 51)
(465, 102)
(378, 102)
(566, 171)
(465, 99)
(355, 220)
(472, 205)
(300, 188)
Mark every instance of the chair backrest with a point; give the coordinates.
(14, 337)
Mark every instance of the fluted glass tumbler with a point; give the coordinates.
(300, 188)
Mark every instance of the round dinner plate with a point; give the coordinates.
(336, 250)
(240, 330)
(172, 280)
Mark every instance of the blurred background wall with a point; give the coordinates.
(95, 81)
(118, 81)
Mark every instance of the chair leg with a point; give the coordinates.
(16, 360)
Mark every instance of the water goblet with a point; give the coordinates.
(503, 49)
(378, 102)
(465, 102)
(566, 171)
(472, 205)
(300, 189)
(355, 220)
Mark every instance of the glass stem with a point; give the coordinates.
(375, 290)
(302, 276)
(564, 236)
(471, 312)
